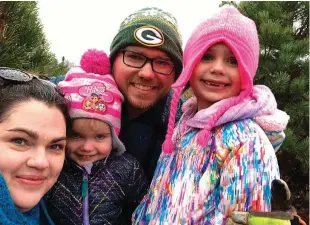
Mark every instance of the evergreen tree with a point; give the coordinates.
(22, 40)
(283, 29)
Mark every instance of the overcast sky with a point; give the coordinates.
(72, 27)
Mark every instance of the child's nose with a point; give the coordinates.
(88, 146)
(218, 67)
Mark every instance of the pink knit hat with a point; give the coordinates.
(91, 92)
(239, 33)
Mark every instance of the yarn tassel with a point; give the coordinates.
(203, 137)
(168, 146)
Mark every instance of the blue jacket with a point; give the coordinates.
(9, 215)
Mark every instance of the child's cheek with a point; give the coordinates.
(71, 147)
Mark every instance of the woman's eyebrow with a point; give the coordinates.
(59, 139)
(30, 133)
(33, 134)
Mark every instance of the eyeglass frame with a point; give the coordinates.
(147, 59)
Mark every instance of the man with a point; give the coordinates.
(146, 58)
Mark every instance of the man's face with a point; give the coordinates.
(142, 87)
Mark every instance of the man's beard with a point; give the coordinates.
(140, 105)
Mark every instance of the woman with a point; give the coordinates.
(32, 141)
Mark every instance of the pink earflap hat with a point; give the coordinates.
(239, 33)
(92, 93)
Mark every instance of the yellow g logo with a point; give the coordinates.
(149, 36)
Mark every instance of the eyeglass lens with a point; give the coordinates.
(138, 60)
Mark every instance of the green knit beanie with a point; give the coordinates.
(150, 27)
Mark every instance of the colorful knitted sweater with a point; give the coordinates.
(96, 194)
(9, 215)
(203, 185)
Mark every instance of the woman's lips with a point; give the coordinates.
(31, 180)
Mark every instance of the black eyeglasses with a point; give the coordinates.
(16, 75)
(137, 60)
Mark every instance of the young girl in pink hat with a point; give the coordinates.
(221, 155)
(99, 178)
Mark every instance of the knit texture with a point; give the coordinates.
(203, 184)
(240, 35)
(150, 27)
(9, 215)
(94, 96)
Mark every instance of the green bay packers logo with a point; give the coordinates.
(149, 36)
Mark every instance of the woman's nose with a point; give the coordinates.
(39, 159)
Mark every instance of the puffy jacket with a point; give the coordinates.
(96, 194)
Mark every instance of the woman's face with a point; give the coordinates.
(32, 151)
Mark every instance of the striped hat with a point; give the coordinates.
(92, 93)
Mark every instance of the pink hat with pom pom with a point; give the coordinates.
(239, 33)
(92, 93)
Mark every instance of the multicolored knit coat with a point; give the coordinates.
(222, 158)
(203, 184)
